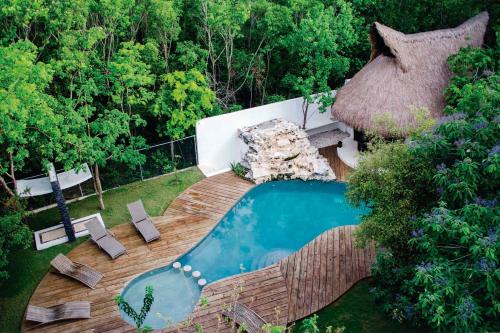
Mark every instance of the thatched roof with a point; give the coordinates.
(405, 72)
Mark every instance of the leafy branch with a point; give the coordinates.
(138, 318)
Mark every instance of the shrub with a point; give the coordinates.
(14, 234)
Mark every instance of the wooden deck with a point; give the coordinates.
(294, 288)
(189, 218)
(340, 168)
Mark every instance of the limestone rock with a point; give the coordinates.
(280, 149)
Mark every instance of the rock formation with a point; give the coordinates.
(280, 149)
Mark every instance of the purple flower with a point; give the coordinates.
(424, 267)
(485, 202)
(466, 309)
(459, 143)
(485, 265)
(440, 191)
(452, 117)
(480, 125)
(441, 167)
(494, 150)
(417, 233)
(491, 239)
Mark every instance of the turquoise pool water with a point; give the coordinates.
(269, 223)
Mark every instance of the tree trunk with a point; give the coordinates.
(6, 187)
(98, 187)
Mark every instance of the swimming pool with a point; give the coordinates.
(268, 223)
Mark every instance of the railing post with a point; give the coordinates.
(140, 169)
(195, 149)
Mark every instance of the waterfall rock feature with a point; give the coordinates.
(280, 149)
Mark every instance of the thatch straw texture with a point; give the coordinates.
(405, 72)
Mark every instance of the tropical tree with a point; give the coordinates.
(29, 127)
(315, 43)
(100, 106)
(184, 98)
(164, 21)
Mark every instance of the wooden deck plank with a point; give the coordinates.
(340, 168)
(316, 275)
(300, 284)
(323, 269)
(329, 269)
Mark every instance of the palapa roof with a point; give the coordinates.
(404, 72)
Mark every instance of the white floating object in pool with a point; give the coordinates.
(187, 268)
(202, 282)
(196, 274)
(176, 265)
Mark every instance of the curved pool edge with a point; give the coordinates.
(174, 243)
(134, 292)
(290, 285)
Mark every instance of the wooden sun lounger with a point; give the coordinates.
(83, 273)
(245, 317)
(105, 239)
(142, 221)
(69, 310)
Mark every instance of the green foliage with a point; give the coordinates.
(28, 123)
(14, 234)
(310, 325)
(270, 328)
(141, 316)
(184, 99)
(325, 31)
(390, 184)
(444, 270)
(239, 170)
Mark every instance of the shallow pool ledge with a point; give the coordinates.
(295, 287)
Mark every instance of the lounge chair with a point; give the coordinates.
(105, 239)
(245, 317)
(83, 273)
(142, 221)
(70, 310)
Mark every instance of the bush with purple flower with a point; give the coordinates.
(435, 210)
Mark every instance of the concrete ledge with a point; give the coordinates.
(56, 235)
(349, 153)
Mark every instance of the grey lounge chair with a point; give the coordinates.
(70, 310)
(105, 239)
(245, 317)
(83, 273)
(142, 221)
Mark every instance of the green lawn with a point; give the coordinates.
(27, 267)
(357, 312)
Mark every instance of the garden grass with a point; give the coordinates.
(27, 267)
(357, 312)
